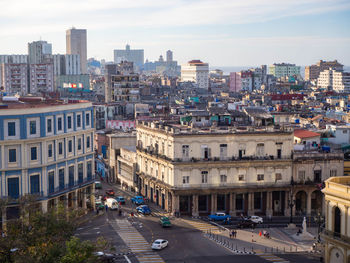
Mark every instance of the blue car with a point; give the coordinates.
(137, 200)
(220, 217)
(143, 209)
(120, 200)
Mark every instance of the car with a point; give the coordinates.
(256, 219)
(110, 192)
(165, 222)
(99, 205)
(112, 203)
(159, 244)
(120, 200)
(104, 257)
(219, 217)
(98, 185)
(246, 223)
(138, 200)
(143, 209)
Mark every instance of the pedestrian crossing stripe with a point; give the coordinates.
(270, 257)
(202, 226)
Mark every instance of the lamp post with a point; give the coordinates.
(319, 219)
(291, 201)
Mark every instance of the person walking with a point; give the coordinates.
(106, 207)
(231, 234)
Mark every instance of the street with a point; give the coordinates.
(132, 238)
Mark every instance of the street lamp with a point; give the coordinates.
(291, 201)
(319, 219)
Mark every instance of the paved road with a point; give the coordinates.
(186, 242)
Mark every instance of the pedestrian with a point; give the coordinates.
(260, 234)
(106, 206)
(231, 234)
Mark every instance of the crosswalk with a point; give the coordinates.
(270, 257)
(135, 241)
(155, 214)
(202, 226)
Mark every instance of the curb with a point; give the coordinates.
(224, 244)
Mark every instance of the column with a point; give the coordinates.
(250, 203)
(269, 211)
(66, 201)
(213, 203)
(44, 205)
(232, 204)
(323, 206)
(195, 205)
(176, 204)
(286, 203)
(4, 218)
(92, 197)
(84, 198)
(308, 204)
(75, 199)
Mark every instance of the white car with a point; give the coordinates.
(256, 219)
(159, 244)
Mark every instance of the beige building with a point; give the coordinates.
(312, 72)
(127, 168)
(337, 229)
(196, 71)
(76, 43)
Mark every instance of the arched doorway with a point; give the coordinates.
(316, 202)
(336, 256)
(337, 221)
(300, 203)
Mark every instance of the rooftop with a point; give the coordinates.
(305, 134)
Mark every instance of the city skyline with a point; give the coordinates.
(238, 33)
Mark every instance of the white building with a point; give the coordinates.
(76, 44)
(41, 78)
(14, 78)
(335, 80)
(16, 59)
(196, 71)
(131, 55)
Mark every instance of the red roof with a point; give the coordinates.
(287, 96)
(305, 134)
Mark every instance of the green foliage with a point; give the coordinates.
(78, 252)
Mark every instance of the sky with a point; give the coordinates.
(220, 32)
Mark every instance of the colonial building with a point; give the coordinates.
(337, 228)
(237, 171)
(46, 150)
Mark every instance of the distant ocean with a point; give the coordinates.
(227, 70)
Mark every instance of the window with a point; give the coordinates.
(301, 175)
(34, 184)
(11, 129)
(204, 177)
(206, 152)
(60, 148)
(185, 151)
(32, 127)
(223, 151)
(185, 179)
(71, 175)
(79, 144)
(70, 146)
(49, 150)
(33, 153)
(278, 176)
(333, 173)
(49, 125)
(51, 182)
(260, 177)
(59, 123)
(87, 141)
(241, 177)
(87, 119)
(89, 170)
(12, 156)
(13, 187)
(69, 122)
(80, 172)
(61, 178)
(279, 153)
(78, 120)
(223, 178)
(260, 150)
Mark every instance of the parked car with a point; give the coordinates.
(165, 222)
(159, 244)
(105, 257)
(138, 200)
(120, 200)
(98, 185)
(256, 219)
(112, 203)
(143, 209)
(99, 205)
(219, 217)
(110, 192)
(246, 223)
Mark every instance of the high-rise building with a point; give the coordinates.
(169, 56)
(331, 79)
(284, 70)
(39, 52)
(41, 78)
(312, 72)
(131, 55)
(196, 71)
(15, 59)
(76, 44)
(14, 78)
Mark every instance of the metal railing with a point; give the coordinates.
(336, 236)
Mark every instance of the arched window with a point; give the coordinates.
(337, 221)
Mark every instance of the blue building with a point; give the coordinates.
(46, 149)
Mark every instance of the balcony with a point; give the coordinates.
(336, 236)
(67, 188)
